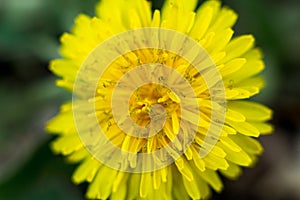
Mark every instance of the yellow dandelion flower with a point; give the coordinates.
(158, 108)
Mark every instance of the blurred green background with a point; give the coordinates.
(29, 38)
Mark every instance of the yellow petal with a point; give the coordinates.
(226, 18)
(189, 5)
(188, 154)
(238, 47)
(175, 122)
(245, 128)
(133, 186)
(78, 155)
(232, 172)
(212, 178)
(156, 19)
(82, 21)
(240, 158)
(253, 82)
(251, 110)
(86, 170)
(202, 20)
(62, 123)
(133, 21)
(168, 130)
(173, 96)
(164, 192)
(232, 66)
(65, 83)
(120, 178)
(235, 115)
(229, 130)
(64, 68)
(214, 162)
(240, 92)
(179, 191)
(204, 189)
(146, 184)
(121, 192)
(143, 8)
(101, 186)
(199, 163)
(192, 188)
(164, 173)
(183, 7)
(230, 144)
(205, 16)
(156, 179)
(251, 68)
(217, 56)
(219, 42)
(264, 128)
(250, 145)
(231, 93)
(109, 11)
(217, 151)
(67, 144)
(184, 169)
(75, 48)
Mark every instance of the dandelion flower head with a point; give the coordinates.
(159, 107)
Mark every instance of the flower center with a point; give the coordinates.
(142, 103)
(151, 105)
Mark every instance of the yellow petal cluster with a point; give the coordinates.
(190, 177)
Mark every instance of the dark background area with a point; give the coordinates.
(29, 39)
